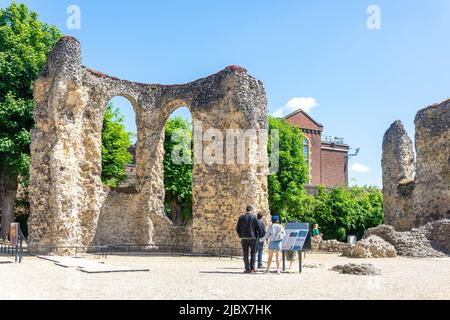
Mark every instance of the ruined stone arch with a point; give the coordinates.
(172, 105)
(174, 205)
(132, 100)
(69, 204)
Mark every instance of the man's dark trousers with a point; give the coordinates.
(260, 251)
(249, 245)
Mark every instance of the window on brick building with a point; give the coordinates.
(307, 155)
(306, 149)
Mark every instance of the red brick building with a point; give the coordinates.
(328, 157)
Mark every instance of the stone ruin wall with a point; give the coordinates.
(69, 204)
(433, 163)
(417, 191)
(398, 177)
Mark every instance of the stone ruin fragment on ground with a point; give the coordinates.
(429, 241)
(371, 247)
(364, 269)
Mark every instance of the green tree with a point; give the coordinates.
(178, 174)
(286, 186)
(25, 43)
(341, 211)
(116, 142)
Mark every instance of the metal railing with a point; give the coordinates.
(16, 250)
(146, 250)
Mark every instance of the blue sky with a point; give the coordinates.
(361, 80)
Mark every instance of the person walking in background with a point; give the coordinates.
(260, 242)
(275, 235)
(249, 230)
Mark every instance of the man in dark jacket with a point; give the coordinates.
(249, 230)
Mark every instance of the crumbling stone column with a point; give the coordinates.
(432, 194)
(398, 177)
(56, 143)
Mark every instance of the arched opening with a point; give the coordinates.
(119, 144)
(178, 164)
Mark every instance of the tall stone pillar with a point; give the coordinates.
(398, 177)
(54, 173)
(432, 194)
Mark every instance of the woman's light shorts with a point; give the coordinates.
(276, 245)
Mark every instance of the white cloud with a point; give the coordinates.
(278, 113)
(360, 168)
(304, 103)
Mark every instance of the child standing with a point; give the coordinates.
(275, 235)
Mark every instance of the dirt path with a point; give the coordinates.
(213, 278)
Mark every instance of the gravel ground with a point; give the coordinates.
(212, 278)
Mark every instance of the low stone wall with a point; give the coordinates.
(372, 247)
(120, 223)
(330, 246)
(117, 223)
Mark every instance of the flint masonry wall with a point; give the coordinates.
(432, 192)
(69, 204)
(398, 177)
(416, 193)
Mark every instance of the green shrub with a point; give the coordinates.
(339, 212)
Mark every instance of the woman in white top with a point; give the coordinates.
(274, 236)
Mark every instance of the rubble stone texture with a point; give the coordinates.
(365, 269)
(69, 204)
(429, 241)
(330, 246)
(432, 191)
(371, 247)
(398, 177)
(417, 194)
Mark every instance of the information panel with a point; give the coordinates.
(296, 236)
